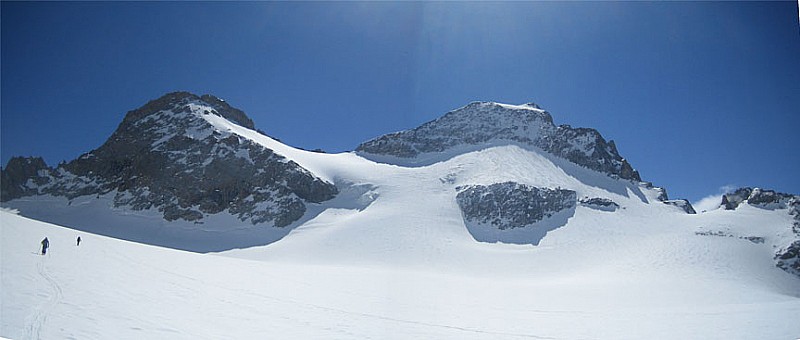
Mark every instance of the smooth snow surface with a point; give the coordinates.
(664, 284)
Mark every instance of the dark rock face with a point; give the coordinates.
(662, 194)
(511, 205)
(21, 177)
(598, 203)
(788, 258)
(757, 197)
(732, 200)
(761, 197)
(485, 122)
(683, 204)
(166, 155)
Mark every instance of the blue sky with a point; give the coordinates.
(697, 95)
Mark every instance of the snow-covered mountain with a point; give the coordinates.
(489, 222)
(486, 123)
(191, 172)
(178, 155)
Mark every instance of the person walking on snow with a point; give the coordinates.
(45, 245)
(79, 240)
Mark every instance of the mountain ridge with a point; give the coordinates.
(181, 172)
(169, 154)
(483, 122)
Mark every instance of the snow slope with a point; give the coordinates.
(665, 286)
(391, 257)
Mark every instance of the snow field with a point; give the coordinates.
(111, 288)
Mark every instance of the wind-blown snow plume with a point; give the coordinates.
(713, 201)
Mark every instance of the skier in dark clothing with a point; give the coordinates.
(45, 245)
(79, 240)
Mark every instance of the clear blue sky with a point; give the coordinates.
(697, 95)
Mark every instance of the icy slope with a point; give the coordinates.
(665, 285)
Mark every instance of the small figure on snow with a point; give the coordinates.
(79, 240)
(45, 245)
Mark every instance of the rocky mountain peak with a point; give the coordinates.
(179, 154)
(179, 101)
(490, 123)
(488, 110)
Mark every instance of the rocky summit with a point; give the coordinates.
(173, 154)
(484, 123)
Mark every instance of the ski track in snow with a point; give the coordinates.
(35, 321)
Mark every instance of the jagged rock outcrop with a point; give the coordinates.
(511, 205)
(21, 177)
(683, 204)
(175, 155)
(486, 122)
(757, 197)
(788, 255)
(732, 200)
(599, 203)
(788, 258)
(769, 198)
